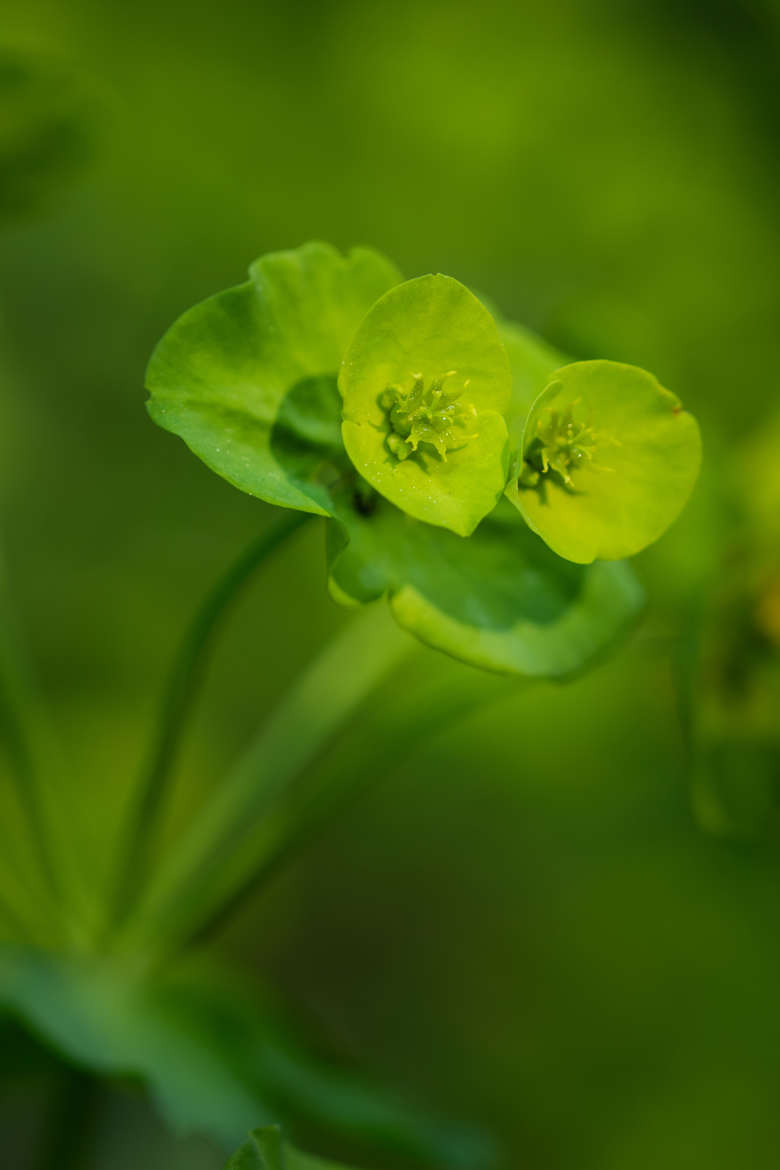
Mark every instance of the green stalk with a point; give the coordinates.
(200, 873)
(177, 702)
(419, 714)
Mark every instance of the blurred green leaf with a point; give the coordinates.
(500, 600)
(425, 383)
(215, 1060)
(248, 377)
(266, 1150)
(610, 458)
(261, 1152)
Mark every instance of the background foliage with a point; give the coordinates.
(524, 925)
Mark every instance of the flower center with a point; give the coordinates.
(561, 444)
(432, 415)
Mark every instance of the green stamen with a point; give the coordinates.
(561, 444)
(429, 415)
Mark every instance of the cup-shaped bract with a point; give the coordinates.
(425, 383)
(501, 600)
(609, 458)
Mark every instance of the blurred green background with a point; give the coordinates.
(530, 924)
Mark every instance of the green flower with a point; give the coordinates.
(404, 412)
(608, 460)
(425, 384)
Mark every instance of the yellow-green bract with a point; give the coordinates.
(609, 458)
(425, 383)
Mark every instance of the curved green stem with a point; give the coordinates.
(17, 739)
(180, 692)
(211, 857)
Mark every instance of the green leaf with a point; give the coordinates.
(425, 383)
(215, 1057)
(263, 1151)
(266, 1150)
(500, 600)
(610, 459)
(248, 377)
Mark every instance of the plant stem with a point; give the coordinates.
(208, 863)
(187, 671)
(416, 718)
